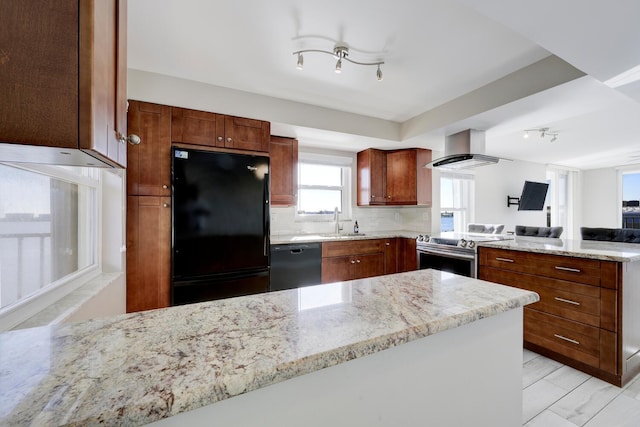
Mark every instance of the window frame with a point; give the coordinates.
(468, 212)
(25, 308)
(345, 163)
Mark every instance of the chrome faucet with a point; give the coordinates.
(336, 218)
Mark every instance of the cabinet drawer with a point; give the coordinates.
(352, 247)
(580, 270)
(575, 340)
(570, 300)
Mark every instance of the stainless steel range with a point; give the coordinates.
(452, 252)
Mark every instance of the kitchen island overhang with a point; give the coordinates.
(139, 368)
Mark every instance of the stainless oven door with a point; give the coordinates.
(450, 260)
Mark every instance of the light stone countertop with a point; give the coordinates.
(329, 237)
(137, 368)
(604, 251)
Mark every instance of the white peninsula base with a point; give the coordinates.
(466, 376)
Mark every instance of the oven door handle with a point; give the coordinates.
(448, 254)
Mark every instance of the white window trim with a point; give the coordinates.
(469, 211)
(333, 160)
(20, 311)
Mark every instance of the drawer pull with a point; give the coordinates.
(568, 301)
(566, 339)
(504, 259)
(573, 270)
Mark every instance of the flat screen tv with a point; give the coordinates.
(533, 196)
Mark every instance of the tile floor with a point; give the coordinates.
(555, 395)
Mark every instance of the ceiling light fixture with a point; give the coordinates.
(543, 133)
(340, 52)
(300, 63)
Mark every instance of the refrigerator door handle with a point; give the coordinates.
(265, 215)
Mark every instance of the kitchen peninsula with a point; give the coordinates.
(397, 349)
(587, 316)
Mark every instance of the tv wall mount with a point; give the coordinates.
(515, 201)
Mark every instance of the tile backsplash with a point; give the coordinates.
(284, 222)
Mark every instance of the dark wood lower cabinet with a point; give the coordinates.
(407, 256)
(357, 259)
(579, 319)
(148, 252)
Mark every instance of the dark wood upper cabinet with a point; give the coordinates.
(217, 130)
(197, 127)
(372, 165)
(63, 66)
(284, 171)
(246, 134)
(394, 177)
(149, 169)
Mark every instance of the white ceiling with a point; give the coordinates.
(435, 51)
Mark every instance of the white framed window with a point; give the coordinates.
(49, 235)
(324, 184)
(456, 201)
(559, 202)
(631, 199)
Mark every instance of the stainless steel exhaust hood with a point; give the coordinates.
(464, 150)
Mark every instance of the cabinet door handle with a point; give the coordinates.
(220, 138)
(568, 301)
(165, 205)
(229, 140)
(387, 243)
(165, 186)
(389, 197)
(504, 259)
(358, 261)
(566, 339)
(353, 261)
(573, 270)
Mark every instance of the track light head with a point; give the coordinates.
(300, 63)
(379, 74)
(339, 66)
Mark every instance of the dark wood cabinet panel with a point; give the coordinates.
(371, 165)
(407, 255)
(149, 170)
(390, 256)
(246, 134)
(368, 266)
(148, 252)
(355, 259)
(336, 269)
(393, 177)
(401, 177)
(578, 318)
(197, 127)
(66, 78)
(283, 153)
(217, 130)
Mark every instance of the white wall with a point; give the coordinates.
(495, 182)
(601, 204)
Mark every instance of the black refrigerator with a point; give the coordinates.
(220, 225)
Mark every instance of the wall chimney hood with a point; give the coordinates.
(464, 150)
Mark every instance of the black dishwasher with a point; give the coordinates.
(294, 265)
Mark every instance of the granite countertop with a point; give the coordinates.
(604, 251)
(136, 368)
(329, 237)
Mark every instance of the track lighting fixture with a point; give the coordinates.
(340, 52)
(544, 132)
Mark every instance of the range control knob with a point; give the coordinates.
(471, 244)
(462, 243)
